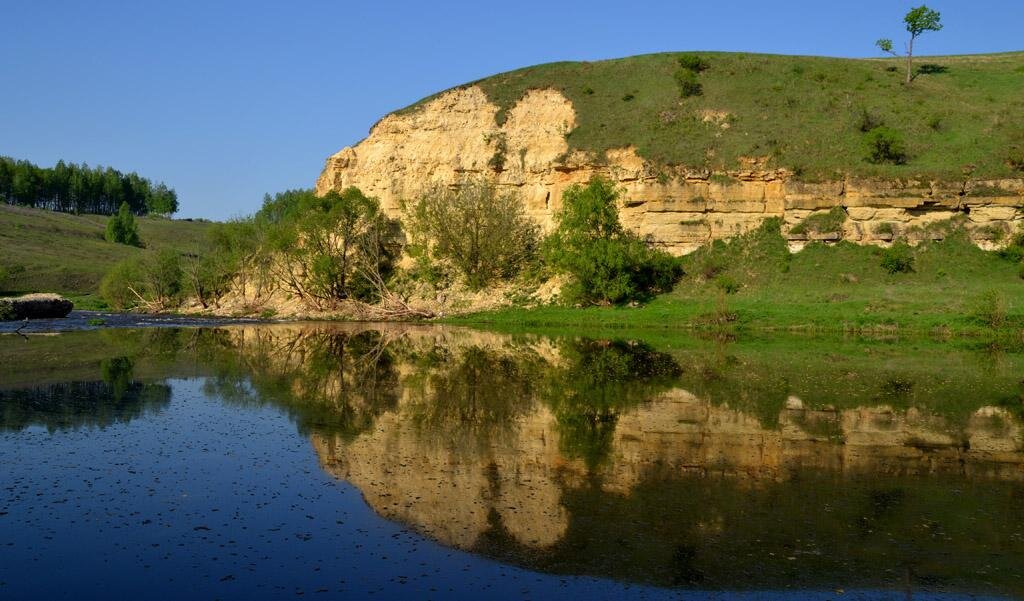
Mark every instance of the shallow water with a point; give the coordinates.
(334, 460)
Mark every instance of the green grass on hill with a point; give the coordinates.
(46, 251)
(806, 113)
(955, 288)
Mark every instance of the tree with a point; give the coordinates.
(607, 263)
(329, 248)
(121, 227)
(479, 232)
(918, 21)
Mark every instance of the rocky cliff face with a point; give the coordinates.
(457, 135)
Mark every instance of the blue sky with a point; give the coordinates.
(225, 101)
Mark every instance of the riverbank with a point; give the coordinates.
(946, 287)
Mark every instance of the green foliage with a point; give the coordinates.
(121, 227)
(693, 62)
(727, 284)
(327, 248)
(1014, 251)
(822, 223)
(153, 280)
(922, 19)
(885, 45)
(497, 160)
(72, 188)
(991, 309)
(688, 83)
(607, 264)
(868, 120)
(885, 145)
(898, 258)
(474, 230)
(1015, 158)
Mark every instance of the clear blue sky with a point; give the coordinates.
(227, 100)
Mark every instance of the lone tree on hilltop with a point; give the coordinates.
(918, 20)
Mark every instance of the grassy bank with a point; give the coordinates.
(755, 283)
(59, 252)
(809, 114)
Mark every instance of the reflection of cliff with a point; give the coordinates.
(609, 457)
(408, 475)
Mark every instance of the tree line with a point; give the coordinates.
(340, 247)
(71, 188)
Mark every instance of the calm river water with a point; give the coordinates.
(242, 461)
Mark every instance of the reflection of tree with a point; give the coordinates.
(332, 382)
(473, 396)
(597, 381)
(116, 398)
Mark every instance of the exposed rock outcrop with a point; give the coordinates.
(35, 306)
(456, 135)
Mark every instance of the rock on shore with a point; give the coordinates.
(35, 306)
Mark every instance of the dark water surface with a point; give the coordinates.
(342, 461)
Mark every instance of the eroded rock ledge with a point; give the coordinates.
(456, 135)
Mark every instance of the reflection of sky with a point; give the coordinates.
(205, 499)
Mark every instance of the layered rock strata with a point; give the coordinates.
(456, 135)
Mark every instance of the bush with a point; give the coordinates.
(607, 264)
(898, 258)
(475, 230)
(154, 280)
(885, 145)
(1015, 159)
(991, 309)
(688, 84)
(121, 227)
(1014, 251)
(117, 284)
(329, 248)
(868, 120)
(727, 284)
(822, 223)
(693, 62)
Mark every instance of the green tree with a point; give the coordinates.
(918, 21)
(482, 234)
(121, 228)
(607, 263)
(329, 248)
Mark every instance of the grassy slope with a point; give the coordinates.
(67, 253)
(822, 288)
(803, 111)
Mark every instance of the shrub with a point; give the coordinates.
(885, 145)
(688, 84)
(628, 97)
(991, 309)
(334, 247)
(898, 258)
(1015, 159)
(822, 223)
(475, 230)
(1014, 251)
(693, 62)
(117, 284)
(868, 120)
(727, 284)
(607, 264)
(151, 280)
(121, 227)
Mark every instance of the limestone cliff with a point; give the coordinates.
(457, 135)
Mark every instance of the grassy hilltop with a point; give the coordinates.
(64, 253)
(809, 114)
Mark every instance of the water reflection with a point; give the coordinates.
(675, 462)
(114, 398)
